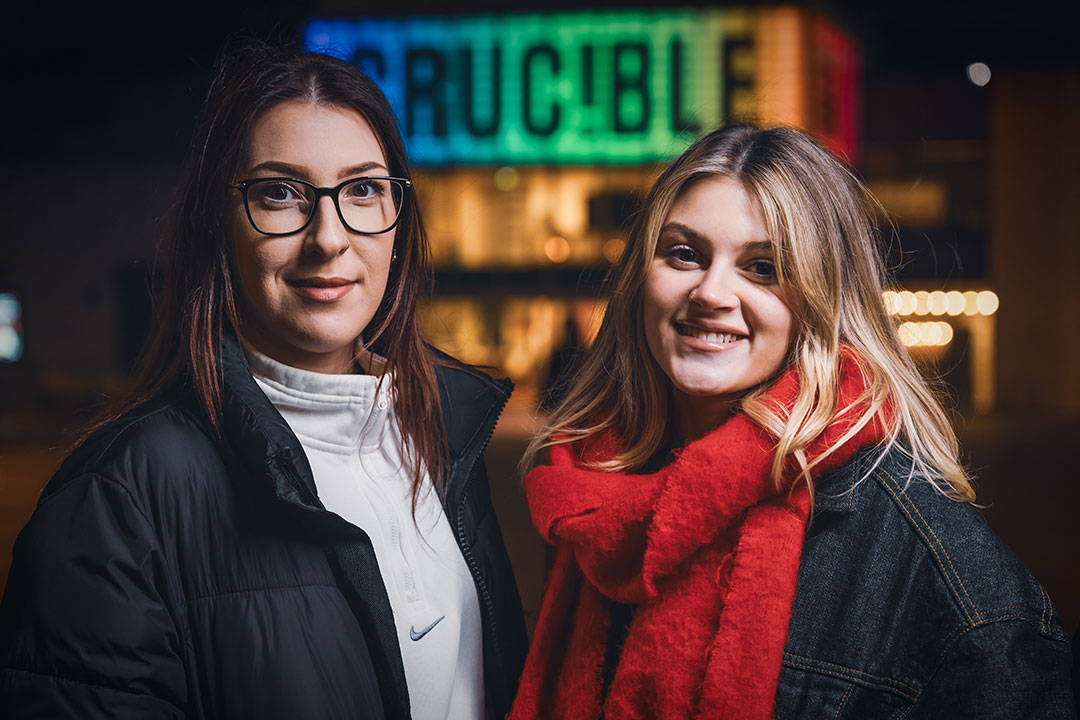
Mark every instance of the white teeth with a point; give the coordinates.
(710, 337)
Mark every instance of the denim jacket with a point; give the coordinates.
(909, 606)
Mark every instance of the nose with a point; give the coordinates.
(326, 236)
(716, 289)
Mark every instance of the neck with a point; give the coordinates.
(698, 416)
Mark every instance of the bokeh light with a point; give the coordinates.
(978, 73)
(954, 302)
(613, 249)
(506, 178)
(557, 249)
(925, 334)
(986, 302)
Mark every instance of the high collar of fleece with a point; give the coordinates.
(337, 413)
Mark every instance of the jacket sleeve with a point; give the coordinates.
(1001, 670)
(85, 627)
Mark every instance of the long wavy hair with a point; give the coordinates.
(830, 267)
(196, 299)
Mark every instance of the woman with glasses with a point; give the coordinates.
(289, 515)
(754, 500)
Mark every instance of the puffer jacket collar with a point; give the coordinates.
(259, 434)
(471, 405)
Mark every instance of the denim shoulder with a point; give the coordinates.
(909, 606)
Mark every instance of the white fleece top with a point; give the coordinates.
(347, 427)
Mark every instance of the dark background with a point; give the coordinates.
(98, 110)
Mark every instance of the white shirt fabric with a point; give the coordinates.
(347, 427)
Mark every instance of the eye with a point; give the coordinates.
(682, 256)
(364, 190)
(276, 194)
(762, 269)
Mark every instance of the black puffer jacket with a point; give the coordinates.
(164, 574)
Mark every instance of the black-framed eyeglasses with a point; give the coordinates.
(283, 205)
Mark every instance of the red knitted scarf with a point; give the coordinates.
(706, 548)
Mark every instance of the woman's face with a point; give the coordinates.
(715, 319)
(308, 296)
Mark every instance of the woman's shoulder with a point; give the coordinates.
(471, 399)
(453, 374)
(880, 502)
(140, 451)
(907, 594)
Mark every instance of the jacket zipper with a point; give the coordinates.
(466, 549)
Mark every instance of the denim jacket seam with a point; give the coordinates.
(893, 487)
(851, 492)
(1042, 617)
(951, 637)
(897, 687)
(982, 623)
(938, 541)
(823, 503)
(843, 701)
(902, 712)
(1044, 620)
(980, 613)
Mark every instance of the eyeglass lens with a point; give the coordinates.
(368, 205)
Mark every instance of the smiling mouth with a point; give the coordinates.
(709, 336)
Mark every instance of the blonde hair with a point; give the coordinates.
(830, 269)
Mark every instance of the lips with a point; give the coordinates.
(322, 289)
(710, 337)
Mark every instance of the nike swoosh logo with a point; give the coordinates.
(414, 635)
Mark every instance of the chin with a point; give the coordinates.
(326, 346)
(310, 340)
(707, 392)
(703, 385)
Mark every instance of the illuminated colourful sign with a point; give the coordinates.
(570, 87)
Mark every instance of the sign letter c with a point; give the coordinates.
(532, 54)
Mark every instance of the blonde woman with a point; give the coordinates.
(754, 500)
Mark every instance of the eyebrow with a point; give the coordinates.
(362, 168)
(759, 246)
(692, 234)
(293, 171)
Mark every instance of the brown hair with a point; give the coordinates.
(829, 264)
(197, 297)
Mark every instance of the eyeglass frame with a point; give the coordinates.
(333, 193)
